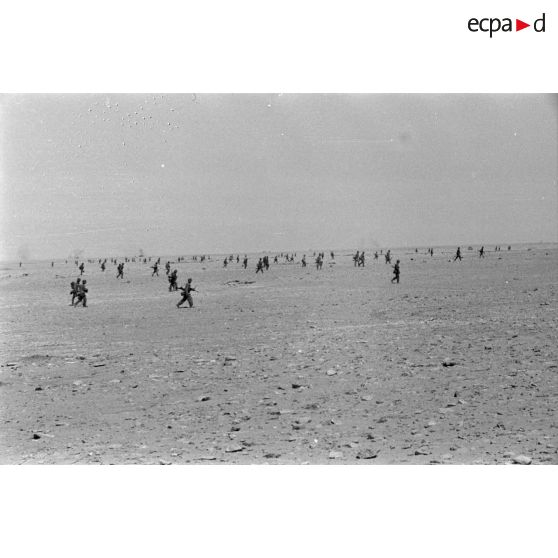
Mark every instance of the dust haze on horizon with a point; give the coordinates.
(112, 174)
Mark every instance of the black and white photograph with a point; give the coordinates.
(279, 278)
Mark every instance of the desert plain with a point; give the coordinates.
(457, 364)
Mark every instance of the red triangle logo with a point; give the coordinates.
(519, 25)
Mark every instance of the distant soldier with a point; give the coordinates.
(82, 291)
(74, 286)
(388, 256)
(356, 258)
(173, 277)
(260, 266)
(237, 258)
(186, 296)
(155, 268)
(332, 255)
(396, 272)
(376, 255)
(120, 269)
(167, 268)
(103, 266)
(458, 254)
(361, 259)
(266, 262)
(275, 259)
(245, 261)
(51, 264)
(225, 262)
(303, 260)
(81, 268)
(319, 262)
(481, 252)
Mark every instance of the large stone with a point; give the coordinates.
(421, 451)
(367, 454)
(234, 448)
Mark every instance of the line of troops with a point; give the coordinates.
(79, 289)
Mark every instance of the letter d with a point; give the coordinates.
(535, 25)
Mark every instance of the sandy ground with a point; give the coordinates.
(457, 364)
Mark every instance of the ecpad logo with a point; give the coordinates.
(493, 25)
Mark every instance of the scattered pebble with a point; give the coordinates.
(367, 454)
(522, 460)
(234, 448)
(335, 454)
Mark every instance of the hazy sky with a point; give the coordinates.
(183, 174)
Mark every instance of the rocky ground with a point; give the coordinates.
(457, 364)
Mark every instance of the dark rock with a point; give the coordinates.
(522, 460)
(234, 448)
(367, 454)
